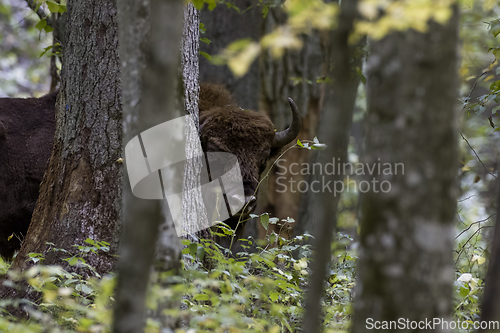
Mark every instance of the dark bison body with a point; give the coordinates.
(26, 133)
(27, 128)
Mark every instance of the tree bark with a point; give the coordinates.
(319, 210)
(223, 26)
(405, 268)
(490, 309)
(80, 195)
(295, 75)
(150, 71)
(193, 209)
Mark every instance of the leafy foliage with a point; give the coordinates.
(259, 290)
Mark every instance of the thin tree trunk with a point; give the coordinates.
(295, 75)
(159, 96)
(223, 26)
(335, 121)
(168, 250)
(405, 268)
(193, 209)
(490, 309)
(80, 196)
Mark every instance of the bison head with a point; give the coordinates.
(248, 135)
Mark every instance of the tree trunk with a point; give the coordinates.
(223, 26)
(193, 208)
(295, 75)
(150, 71)
(80, 196)
(319, 206)
(405, 268)
(490, 309)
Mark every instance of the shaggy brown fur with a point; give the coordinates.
(225, 127)
(26, 133)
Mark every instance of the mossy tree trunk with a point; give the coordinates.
(405, 268)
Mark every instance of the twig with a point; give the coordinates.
(468, 240)
(463, 137)
(458, 215)
(40, 12)
(470, 226)
(475, 84)
(474, 195)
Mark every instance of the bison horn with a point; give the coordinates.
(285, 137)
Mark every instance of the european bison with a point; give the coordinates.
(249, 135)
(27, 128)
(26, 133)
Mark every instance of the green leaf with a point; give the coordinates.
(40, 25)
(201, 252)
(206, 55)
(495, 85)
(464, 292)
(273, 237)
(274, 296)
(265, 11)
(361, 76)
(90, 241)
(193, 249)
(198, 4)
(205, 40)
(201, 297)
(211, 5)
(53, 6)
(264, 220)
(300, 143)
(495, 27)
(84, 288)
(48, 29)
(496, 53)
(202, 28)
(73, 261)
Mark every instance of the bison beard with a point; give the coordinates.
(27, 129)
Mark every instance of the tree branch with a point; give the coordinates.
(40, 12)
(463, 137)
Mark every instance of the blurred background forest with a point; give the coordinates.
(24, 73)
